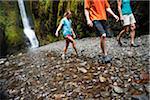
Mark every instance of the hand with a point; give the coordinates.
(89, 22)
(74, 36)
(121, 17)
(56, 34)
(117, 18)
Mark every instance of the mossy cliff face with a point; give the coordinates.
(11, 22)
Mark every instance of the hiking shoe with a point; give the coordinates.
(134, 45)
(106, 59)
(63, 56)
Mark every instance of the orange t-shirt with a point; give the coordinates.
(97, 9)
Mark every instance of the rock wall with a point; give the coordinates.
(11, 23)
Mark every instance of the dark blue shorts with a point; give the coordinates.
(101, 27)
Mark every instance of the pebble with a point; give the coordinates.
(82, 69)
(7, 63)
(140, 97)
(147, 86)
(83, 64)
(21, 64)
(105, 94)
(117, 89)
(2, 62)
(20, 54)
(102, 79)
(54, 89)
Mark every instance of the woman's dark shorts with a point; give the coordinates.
(101, 27)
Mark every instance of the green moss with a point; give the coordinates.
(59, 14)
(13, 37)
(49, 38)
(9, 18)
(74, 4)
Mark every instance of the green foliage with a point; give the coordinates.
(74, 5)
(9, 18)
(59, 14)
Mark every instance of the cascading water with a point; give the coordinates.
(27, 28)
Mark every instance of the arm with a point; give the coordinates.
(73, 33)
(86, 11)
(112, 13)
(89, 22)
(119, 9)
(87, 15)
(59, 27)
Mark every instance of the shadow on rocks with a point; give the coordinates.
(3, 95)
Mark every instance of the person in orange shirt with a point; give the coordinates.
(95, 13)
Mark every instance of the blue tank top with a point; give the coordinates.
(126, 7)
(66, 26)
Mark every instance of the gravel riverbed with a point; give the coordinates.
(41, 74)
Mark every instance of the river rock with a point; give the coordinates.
(117, 89)
(102, 79)
(82, 69)
(83, 64)
(7, 63)
(2, 61)
(140, 97)
(147, 86)
(105, 94)
(21, 64)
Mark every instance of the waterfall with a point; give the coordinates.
(30, 34)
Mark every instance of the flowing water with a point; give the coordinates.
(27, 28)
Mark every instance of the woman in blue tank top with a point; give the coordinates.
(68, 32)
(128, 19)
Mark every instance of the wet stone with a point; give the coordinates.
(7, 63)
(147, 86)
(105, 94)
(102, 79)
(96, 74)
(82, 69)
(113, 78)
(2, 60)
(97, 95)
(38, 66)
(89, 87)
(21, 64)
(117, 89)
(122, 69)
(52, 58)
(117, 70)
(83, 64)
(20, 54)
(140, 97)
(129, 80)
(54, 89)
(106, 72)
(138, 87)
